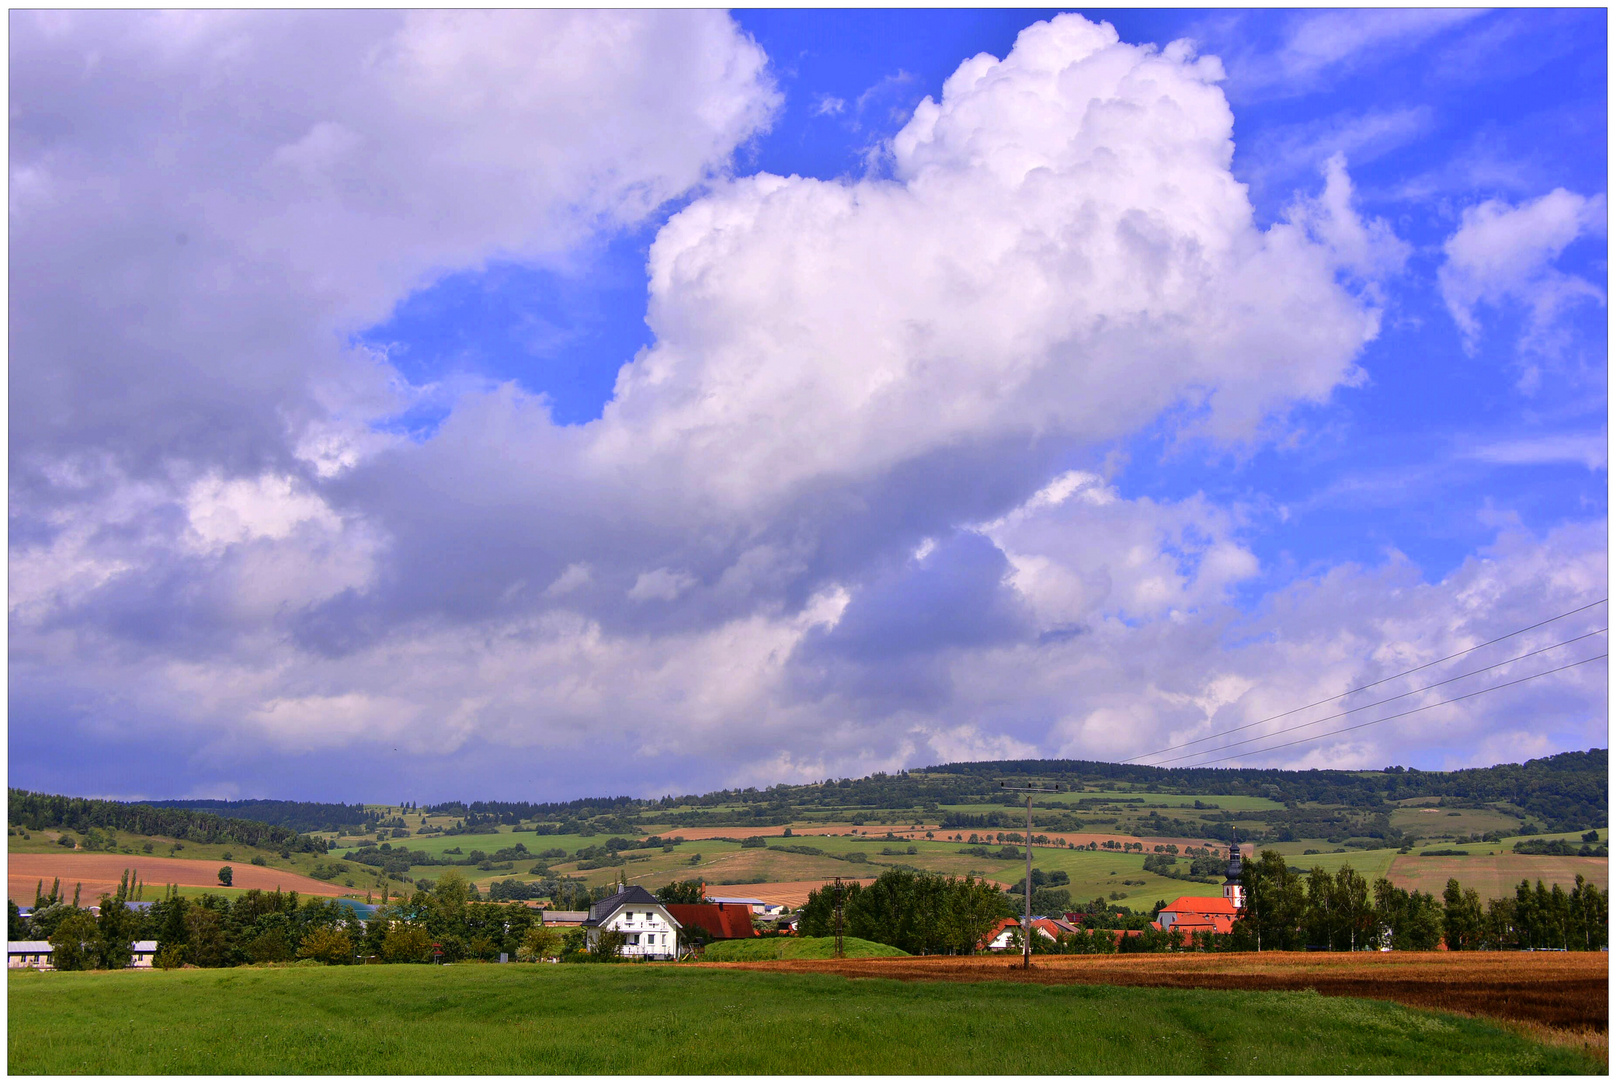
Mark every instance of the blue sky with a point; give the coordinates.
(490, 418)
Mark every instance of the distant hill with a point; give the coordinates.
(1562, 793)
(34, 810)
(297, 816)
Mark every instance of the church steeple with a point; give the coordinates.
(1232, 878)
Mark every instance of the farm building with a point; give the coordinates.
(646, 925)
(37, 954)
(721, 921)
(758, 907)
(563, 919)
(1007, 935)
(28, 954)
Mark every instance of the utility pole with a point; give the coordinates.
(837, 897)
(1027, 886)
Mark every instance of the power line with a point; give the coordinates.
(1370, 705)
(1409, 712)
(1366, 686)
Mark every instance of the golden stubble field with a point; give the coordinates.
(1558, 990)
(1494, 875)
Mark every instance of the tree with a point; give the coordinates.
(328, 945)
(226, 876)
(75, 944)
(115, 929)
(1462, 917)
(539, 943)
(205, 934)
(1411, 920)
(1276, 903)
(607, 945)
(682, 892)
(407, 945)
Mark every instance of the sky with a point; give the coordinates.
(541, 404)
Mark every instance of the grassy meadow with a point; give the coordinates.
(794, 948)
(546, 1018)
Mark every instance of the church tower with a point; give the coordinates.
(1232, 878)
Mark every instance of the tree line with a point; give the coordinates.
(1345, 911)
(34, 810)
(445, 923)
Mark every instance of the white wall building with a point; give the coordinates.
(28, 954)
(648, 929)
(37, 954)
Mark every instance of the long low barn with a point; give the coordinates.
(37, 954)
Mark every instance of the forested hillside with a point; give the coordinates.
(33, 810)
(1565, 792)
(298, 816)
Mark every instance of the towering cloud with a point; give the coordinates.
(828, 519)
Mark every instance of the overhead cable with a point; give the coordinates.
(1373, 704)
(1366, 686)
(1409, 712)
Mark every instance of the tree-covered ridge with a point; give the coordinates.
(34, 810)
(1566, 792)
(298, 816)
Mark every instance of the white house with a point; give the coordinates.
(29, 954)
(648, 929)
(142, 953)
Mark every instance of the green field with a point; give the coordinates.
(794, 948)
(567, 1018)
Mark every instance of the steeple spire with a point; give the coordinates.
(1232, 877)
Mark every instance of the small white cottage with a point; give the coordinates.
(29, 954)
(648, 929)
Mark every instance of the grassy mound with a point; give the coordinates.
(569, 1018)
(795, 948)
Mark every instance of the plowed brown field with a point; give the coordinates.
(1560, 990)
(99, 873)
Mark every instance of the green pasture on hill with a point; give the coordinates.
(794, 948)
(566, 1018)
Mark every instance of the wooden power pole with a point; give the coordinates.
(1027, 885)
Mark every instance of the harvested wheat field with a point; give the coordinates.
(1494, 875)
(1559, 990)
(99, 873)
(791, 893)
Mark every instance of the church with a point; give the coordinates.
(1195, 914)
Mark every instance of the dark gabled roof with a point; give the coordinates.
(602, 910)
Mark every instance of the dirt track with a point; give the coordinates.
(99, 873)
(1560, 990)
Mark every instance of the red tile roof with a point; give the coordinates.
(1203, 905)
(721, 921)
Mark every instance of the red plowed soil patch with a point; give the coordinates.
(99, 873)
(1561, 990)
